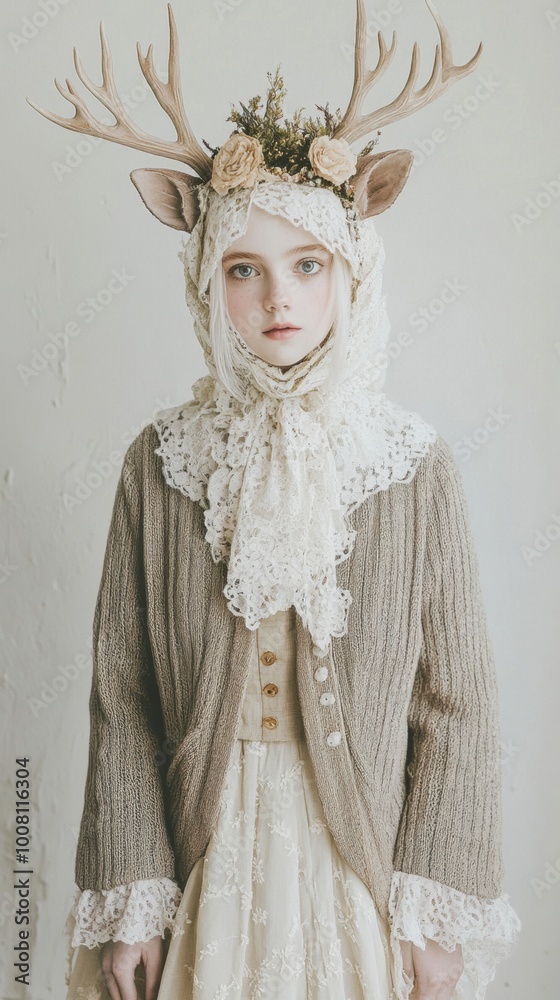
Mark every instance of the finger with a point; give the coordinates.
(111, 984)
(154, 971)
(123, 968)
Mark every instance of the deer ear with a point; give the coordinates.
(379, 180)
(170, 195)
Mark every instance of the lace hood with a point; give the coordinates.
(278, 473)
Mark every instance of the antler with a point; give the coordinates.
(444, 73)
(169, 96)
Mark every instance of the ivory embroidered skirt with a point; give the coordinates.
(272, 909)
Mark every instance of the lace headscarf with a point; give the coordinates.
(278, 474)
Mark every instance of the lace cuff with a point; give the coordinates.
(133, 912)
(485, 928)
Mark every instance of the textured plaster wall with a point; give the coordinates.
(471, 279)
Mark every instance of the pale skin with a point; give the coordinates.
(279, 273)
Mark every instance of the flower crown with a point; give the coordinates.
(302, 150)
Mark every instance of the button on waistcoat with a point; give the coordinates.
(271, 709)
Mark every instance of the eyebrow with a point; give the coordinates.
(288, 253)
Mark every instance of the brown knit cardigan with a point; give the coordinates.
(415, 782)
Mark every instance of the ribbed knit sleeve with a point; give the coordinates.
(450, 828)
(123, 835)
(448, 878)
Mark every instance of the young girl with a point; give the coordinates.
(294, 779)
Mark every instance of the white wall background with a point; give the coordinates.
(480, 212)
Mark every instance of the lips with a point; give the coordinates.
(281, 332)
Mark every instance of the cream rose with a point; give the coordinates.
(332, 159)
(237, 163)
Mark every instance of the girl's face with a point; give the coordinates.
(278, 274)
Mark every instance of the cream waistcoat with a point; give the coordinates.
(270, 709)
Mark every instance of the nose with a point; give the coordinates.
(276, 295)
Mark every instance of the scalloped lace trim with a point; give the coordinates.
(279, 471)
(134, 912)
(421, 908)
(311, 469)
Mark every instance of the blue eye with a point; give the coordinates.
(310, 261)
(244, 271)
(237, 267)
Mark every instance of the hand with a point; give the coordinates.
(119, 960)
(435, 971)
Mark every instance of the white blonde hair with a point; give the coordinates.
(220, 323)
